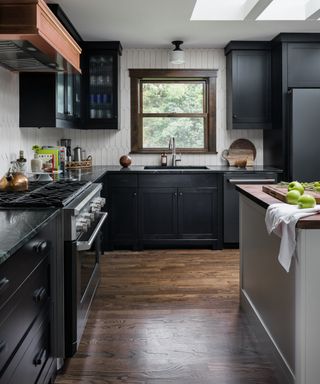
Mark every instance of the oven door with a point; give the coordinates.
(82, 275)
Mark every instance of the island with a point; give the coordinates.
(283, 308)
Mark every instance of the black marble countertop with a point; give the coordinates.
(96, 172)
(18, 226)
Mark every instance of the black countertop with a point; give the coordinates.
(18, 226)
(96, 172)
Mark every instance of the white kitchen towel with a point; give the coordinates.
(281, 219)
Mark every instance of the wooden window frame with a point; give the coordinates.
(139, 76)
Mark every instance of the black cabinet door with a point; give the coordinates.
(123, 207)
(197, 213)
(249, 87)
(158, 213)
(100, 64)
(303, 65)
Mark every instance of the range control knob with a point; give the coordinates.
(81, 226)
(95, 207)
(89, 216)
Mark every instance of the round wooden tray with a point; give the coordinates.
(243, 144)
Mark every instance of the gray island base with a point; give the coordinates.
(283, 308)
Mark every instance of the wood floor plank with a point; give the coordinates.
(168, 316)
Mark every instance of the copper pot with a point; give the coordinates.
(15, 181)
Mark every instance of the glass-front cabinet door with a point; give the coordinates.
(101, 75)
(101, 103)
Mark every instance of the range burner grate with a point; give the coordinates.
(53, 194)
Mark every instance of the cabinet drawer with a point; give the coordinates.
(123, 180)
(15, 270)
(31, 357)
(179, 180)
(17, 315)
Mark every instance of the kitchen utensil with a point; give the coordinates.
(243, 145)
(240, 150)
(77, 153)
(83, 155)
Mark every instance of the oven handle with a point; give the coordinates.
(86, 245)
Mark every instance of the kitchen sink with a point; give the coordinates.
(185, 167)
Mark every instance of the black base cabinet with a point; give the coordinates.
(122, 207)
(167, 210)
(25, 312)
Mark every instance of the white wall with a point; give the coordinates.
(107, 146)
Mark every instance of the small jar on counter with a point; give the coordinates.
(164, 159)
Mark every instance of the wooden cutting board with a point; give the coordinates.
(280, 192)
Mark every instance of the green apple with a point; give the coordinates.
(293, 196)
(306, 201)
(296, 185)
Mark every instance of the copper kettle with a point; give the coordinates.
(14, 181)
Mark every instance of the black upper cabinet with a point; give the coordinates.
(248, 85)
(303, 65)
(101, 79)
(52, 99)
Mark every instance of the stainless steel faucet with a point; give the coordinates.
(172, 146)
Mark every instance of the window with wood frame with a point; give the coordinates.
(178, 103)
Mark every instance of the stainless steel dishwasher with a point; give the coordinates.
(231, 201)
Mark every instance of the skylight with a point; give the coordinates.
(285, 10)
(256, 10)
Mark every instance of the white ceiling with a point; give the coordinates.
(155, 23)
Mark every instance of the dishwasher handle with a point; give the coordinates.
(252, 181)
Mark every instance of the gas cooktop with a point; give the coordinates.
(44, 194)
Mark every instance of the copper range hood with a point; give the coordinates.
(32, 39)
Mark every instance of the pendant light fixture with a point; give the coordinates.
(177, 55)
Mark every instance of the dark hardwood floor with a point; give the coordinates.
(164, 317)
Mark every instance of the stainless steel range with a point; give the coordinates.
(82, 219)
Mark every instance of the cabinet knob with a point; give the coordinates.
(40, 247)
(175, 194)
(39, 295)
(134, 194)
(180, 194)
(235, 116)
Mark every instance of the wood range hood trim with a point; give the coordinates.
(34, 22)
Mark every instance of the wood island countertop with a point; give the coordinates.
(254, 192)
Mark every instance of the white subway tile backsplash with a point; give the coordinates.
(106, 147)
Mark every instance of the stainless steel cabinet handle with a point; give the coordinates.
(252, 181)
(180, 194)
(86, 245)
